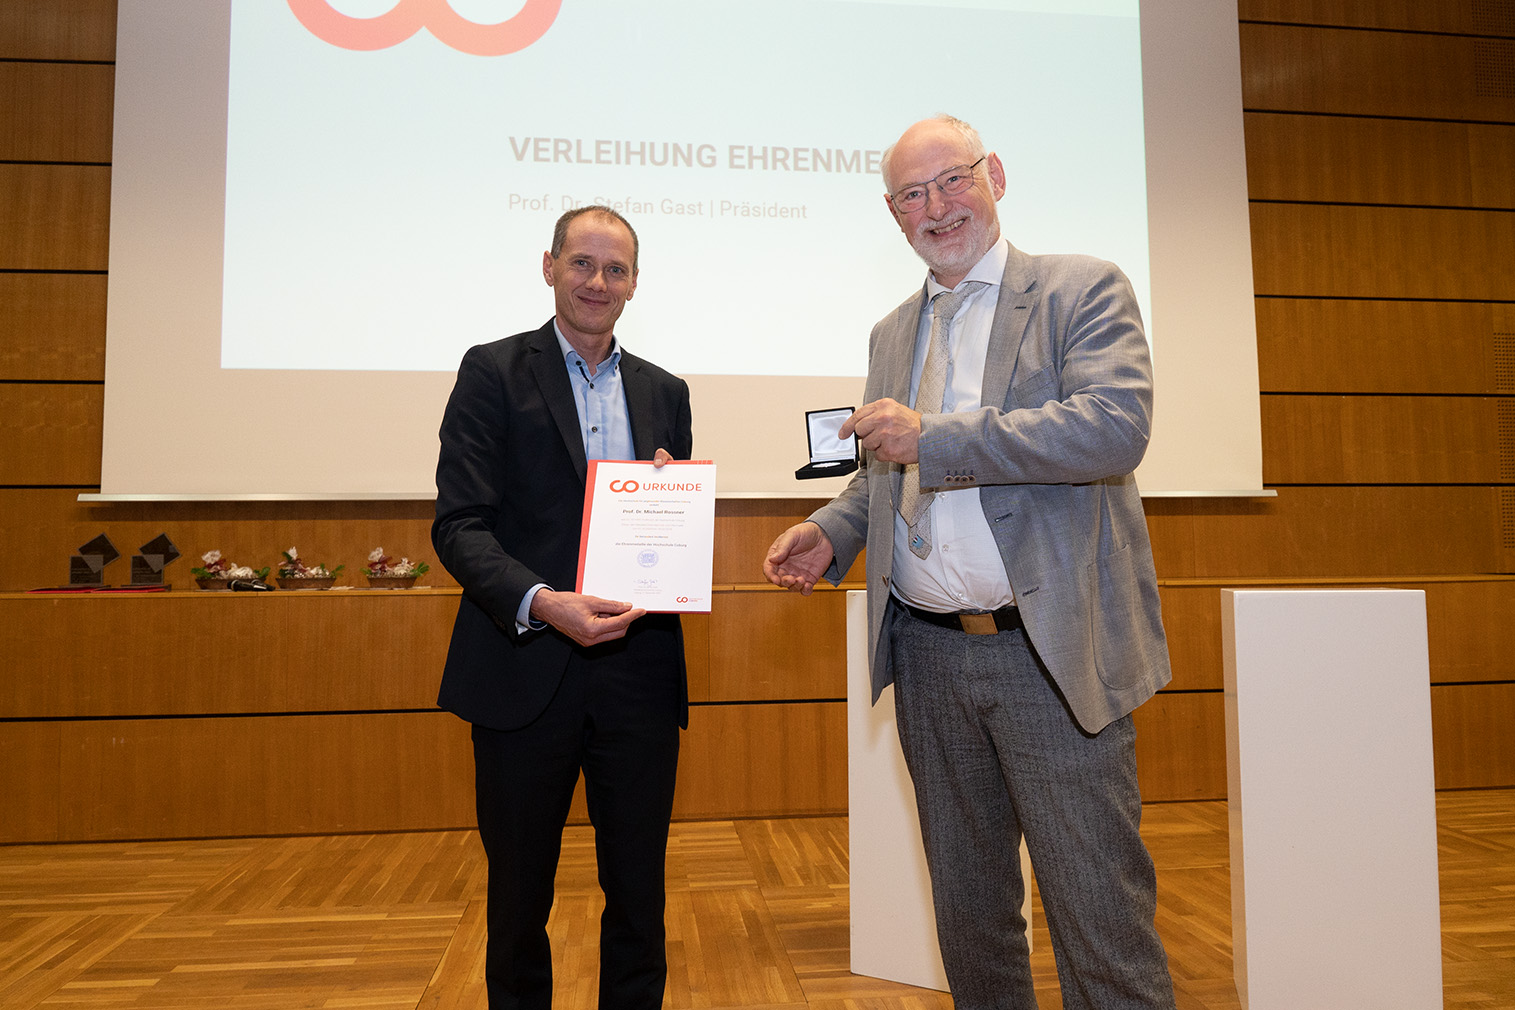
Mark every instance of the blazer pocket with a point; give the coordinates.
(1116, 620)
(1035, 389)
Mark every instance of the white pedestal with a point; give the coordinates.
(893, 925)
(1334, 896)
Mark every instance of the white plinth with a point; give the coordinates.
(1334, 896)
(893, 925)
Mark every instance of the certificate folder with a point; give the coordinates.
(648, 535)
(830, 454)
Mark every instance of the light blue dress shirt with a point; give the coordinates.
(600, 399)
(604, 423)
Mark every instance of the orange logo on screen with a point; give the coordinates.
(437, 16)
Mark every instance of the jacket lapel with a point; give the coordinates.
(899, 349)
(639, 405)
(552, 379)
(1018, 295)
(898, 360)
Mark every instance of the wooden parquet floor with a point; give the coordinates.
(757, 916)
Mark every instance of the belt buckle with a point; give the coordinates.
(979, 624)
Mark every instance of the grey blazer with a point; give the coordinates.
(1067, 414)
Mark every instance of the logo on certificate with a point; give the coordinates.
(647, 559)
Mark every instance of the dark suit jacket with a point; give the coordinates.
(510, 497)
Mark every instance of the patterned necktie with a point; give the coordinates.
(915, 504)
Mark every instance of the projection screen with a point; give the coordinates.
(317, 207)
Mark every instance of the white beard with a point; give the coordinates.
(956, 253)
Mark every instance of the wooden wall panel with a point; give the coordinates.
(1472, 631)
(205, 777)
(1191, 617)
(205, 653)
(1309, 345)
(1321, 532)
(362, 772)
(1327, 70)
(1373, 531)
(1491, 162)
(1171, 528)
(746, 527)
(696, 654)
(176, 778)
(1485, 17)
(58, 30)
(713, 784)
(56, 111)
(1181, 747)
(54, 217)
(775, 645)
(195, 652)
(1383, 440)
(51, 433)
(1327, 251)
(1383, 161)
(31, 797)
(1471, 729)
(1504, 534)
(52, 326)
(763, 761)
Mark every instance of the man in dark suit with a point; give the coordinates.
(555, 682)
(1012, 599)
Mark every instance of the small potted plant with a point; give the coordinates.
(217, 572)
(296, 574)
(384, 572)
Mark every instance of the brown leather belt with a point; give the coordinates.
(990, 622)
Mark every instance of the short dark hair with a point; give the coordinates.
(560, 230)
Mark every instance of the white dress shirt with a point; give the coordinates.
(964, 570)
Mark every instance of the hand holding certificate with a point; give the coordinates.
(648, 535)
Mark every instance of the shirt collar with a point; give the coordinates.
(990, 269)
(573, 357)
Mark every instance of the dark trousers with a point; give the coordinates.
(995, 754)
(619, 725)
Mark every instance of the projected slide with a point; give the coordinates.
(394, 167)
(318, 205)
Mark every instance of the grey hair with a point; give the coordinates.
(969, 134)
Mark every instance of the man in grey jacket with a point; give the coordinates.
(1012, 599)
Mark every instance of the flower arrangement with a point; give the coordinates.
(293, 568)
(382, 566)
(217, 567)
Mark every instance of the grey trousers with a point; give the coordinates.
(994, 754)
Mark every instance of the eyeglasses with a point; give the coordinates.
(958, 179)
